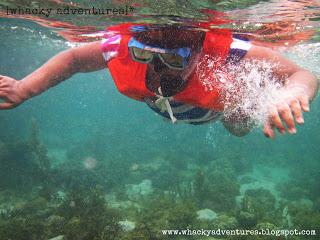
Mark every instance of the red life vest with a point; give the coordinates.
(130, 76)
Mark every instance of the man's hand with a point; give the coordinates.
(11, 92)
(287, 112)
(299, 88)
(85, 58)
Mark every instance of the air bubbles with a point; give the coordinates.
(211, 136)
(253, 90)
(249, 88)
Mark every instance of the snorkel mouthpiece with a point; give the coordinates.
(171, 85)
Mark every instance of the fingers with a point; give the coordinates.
(286, 114)
(4, 91)
(4, 81)
(4, 96)
(4, 84)
(9, 97)
(268, 130)
(279, 114)
(297, 111)
(275, 120)
(287, 117)
(304, 102)
(297, 106)
(6, 105)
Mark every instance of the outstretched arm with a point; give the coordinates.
(85, 58)
(300, 84)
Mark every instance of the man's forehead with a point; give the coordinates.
(171, 37)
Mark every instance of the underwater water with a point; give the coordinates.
(82, 161)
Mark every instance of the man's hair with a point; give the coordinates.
(170, 36)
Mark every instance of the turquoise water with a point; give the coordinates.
(81, 159)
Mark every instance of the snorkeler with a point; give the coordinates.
(159, 65)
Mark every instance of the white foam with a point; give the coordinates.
(252, 89)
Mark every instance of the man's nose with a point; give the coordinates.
(158, 64)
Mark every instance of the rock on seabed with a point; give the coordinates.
(127, 226)
(60, 237)
(206, 214)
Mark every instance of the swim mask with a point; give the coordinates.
(173, 58)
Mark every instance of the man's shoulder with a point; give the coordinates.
(110, 46)
(238, 48)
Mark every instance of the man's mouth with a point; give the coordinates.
(169, 80)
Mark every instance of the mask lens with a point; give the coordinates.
(172, 60)
(141, 54)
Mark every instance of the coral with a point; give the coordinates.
(247, 219)
(162, 212)
(26, 220)
(28, 158)
(263, 201)
(138, 191)
(39, 151)
(257, 205)
(266, 225)
(56, 224)
(305, 219)
(216, 188)
(141, 233)
(182, 215)
(200, 187)
(81, 215)
(88, 217)
(23, 229)
(73, 229)
(72, 173)
(36, 206)
(162, 174)
(225, 222)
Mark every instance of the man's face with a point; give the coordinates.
(159, 70)
(171, 80)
